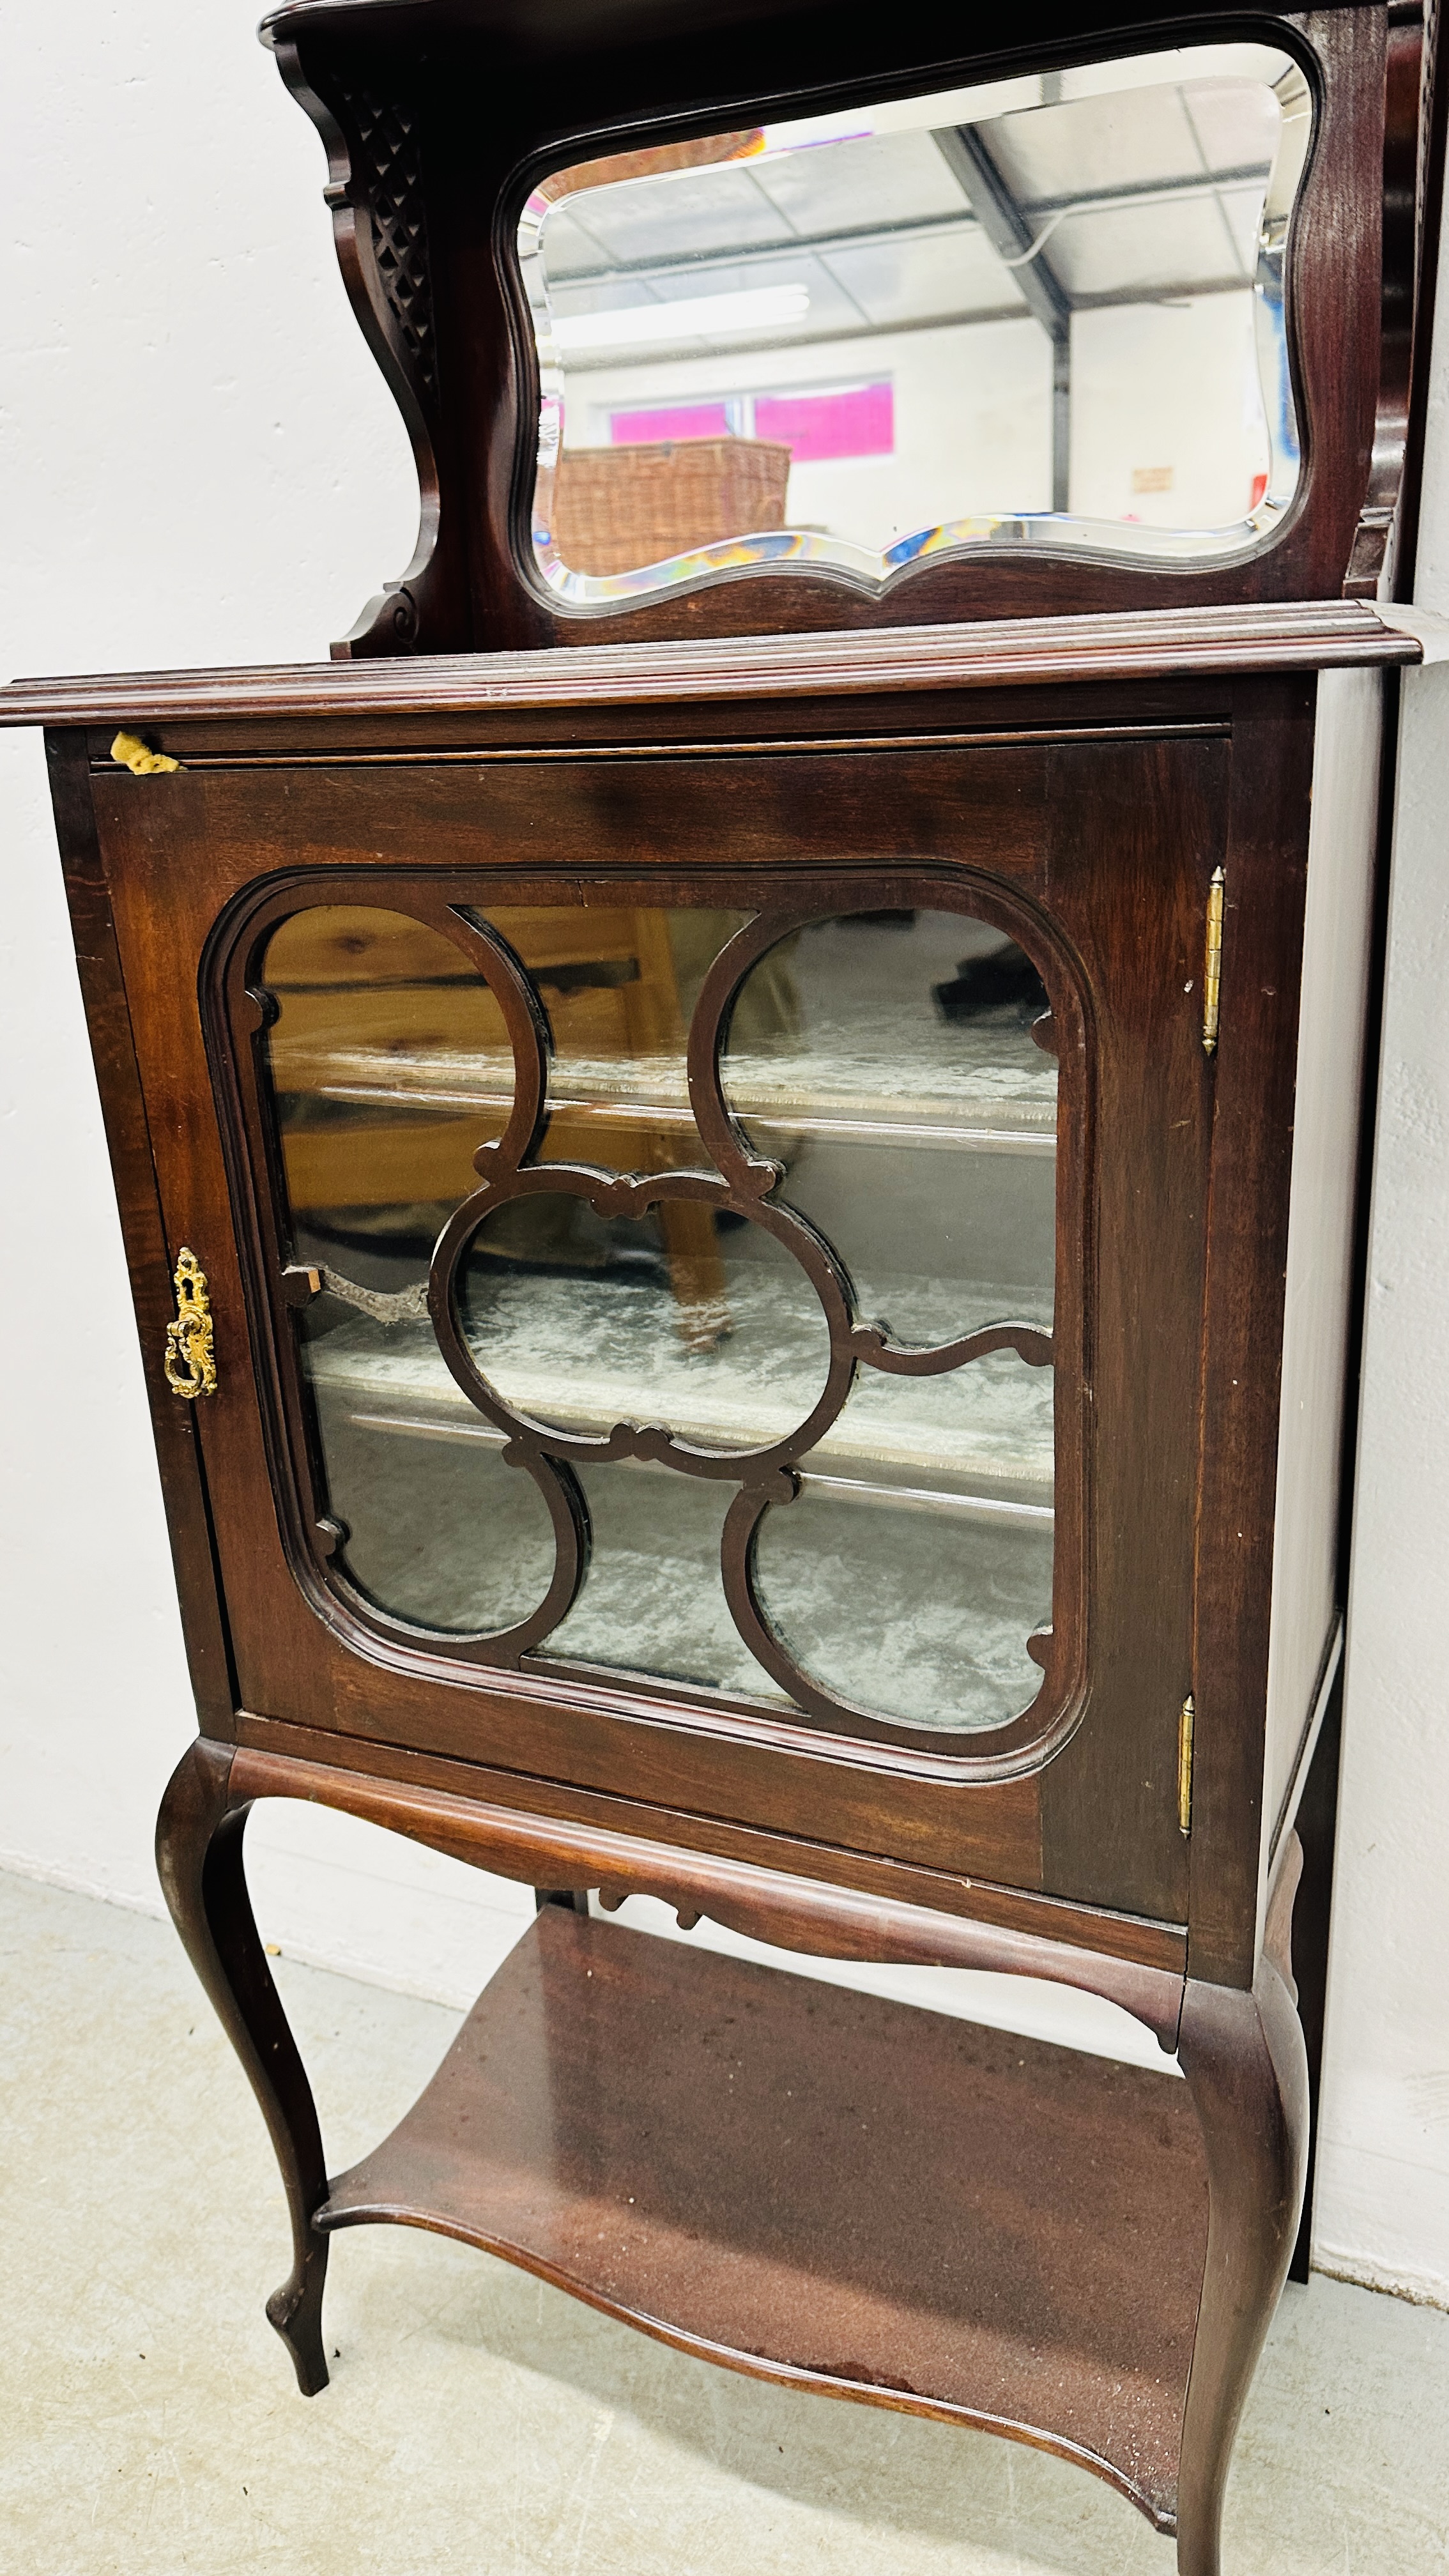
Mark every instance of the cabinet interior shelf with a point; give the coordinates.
(986, 1127)
(983, 1441)
(716, 2152)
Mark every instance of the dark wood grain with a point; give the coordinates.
(354, 181)
(715, 2152)
(1139, 645)
(988, 820)
(199, 1859)
(1433, 138)
(1110, 1826)
(143, 1227)
(1152, 827)
(1252, 1150)
(249, 823)
(559, 1809)
(1076, 2253)
(1244, 2060)
(795, 1912)
(1398, 212)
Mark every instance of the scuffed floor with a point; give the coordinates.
(481, 2423)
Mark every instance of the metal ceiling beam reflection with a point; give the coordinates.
(1009, 232)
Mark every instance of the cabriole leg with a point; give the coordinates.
(199, 1857)
(1244, 2058)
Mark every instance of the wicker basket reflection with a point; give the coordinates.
(617, 508)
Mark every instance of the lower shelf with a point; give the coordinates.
(812, 2184)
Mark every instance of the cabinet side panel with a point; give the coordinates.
(1252, 1153)
(1319, 1291)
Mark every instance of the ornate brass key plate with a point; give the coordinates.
(190, 1343)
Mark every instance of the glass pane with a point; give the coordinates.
(1047, 309)
(888, 1062)
(915, 1605)
(708, 1328)
(914, 1111)
(441, 1533)
(390, 1063)
(653, 1603)
(983, 1432)
(619, 983)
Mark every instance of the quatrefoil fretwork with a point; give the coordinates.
(742, 1182)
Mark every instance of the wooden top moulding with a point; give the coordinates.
(1151, 644)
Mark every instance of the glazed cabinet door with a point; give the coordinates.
(707, 1262)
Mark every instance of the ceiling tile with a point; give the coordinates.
(718, 209)
(913, 280)
(1139, 248)
(1237, 122)
(887, 178)
(1088, 144)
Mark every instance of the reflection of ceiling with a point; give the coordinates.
(1136, 196)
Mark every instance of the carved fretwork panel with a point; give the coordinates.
(675, 1292)
(1406, 128)
(387, 176)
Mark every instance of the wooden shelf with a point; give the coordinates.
(803, 1097)
(981, 1444)
(811, 2184)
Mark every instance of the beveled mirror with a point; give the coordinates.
(1047, 311)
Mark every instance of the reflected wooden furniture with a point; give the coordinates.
(1185, 769)
(376, 1019)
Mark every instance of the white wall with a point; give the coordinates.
(199, 463)
(1384, 2208)
(1173, 387)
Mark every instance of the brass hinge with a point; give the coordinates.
(1212, 971)
(1184, 1766)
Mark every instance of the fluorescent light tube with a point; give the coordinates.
(692, 317)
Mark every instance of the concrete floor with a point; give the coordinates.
(481, 2423)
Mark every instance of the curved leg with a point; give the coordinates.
(199, 1858)
(1244, 2059)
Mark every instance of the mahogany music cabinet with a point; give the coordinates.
(739, 1139)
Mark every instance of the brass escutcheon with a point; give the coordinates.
(190, 1346)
